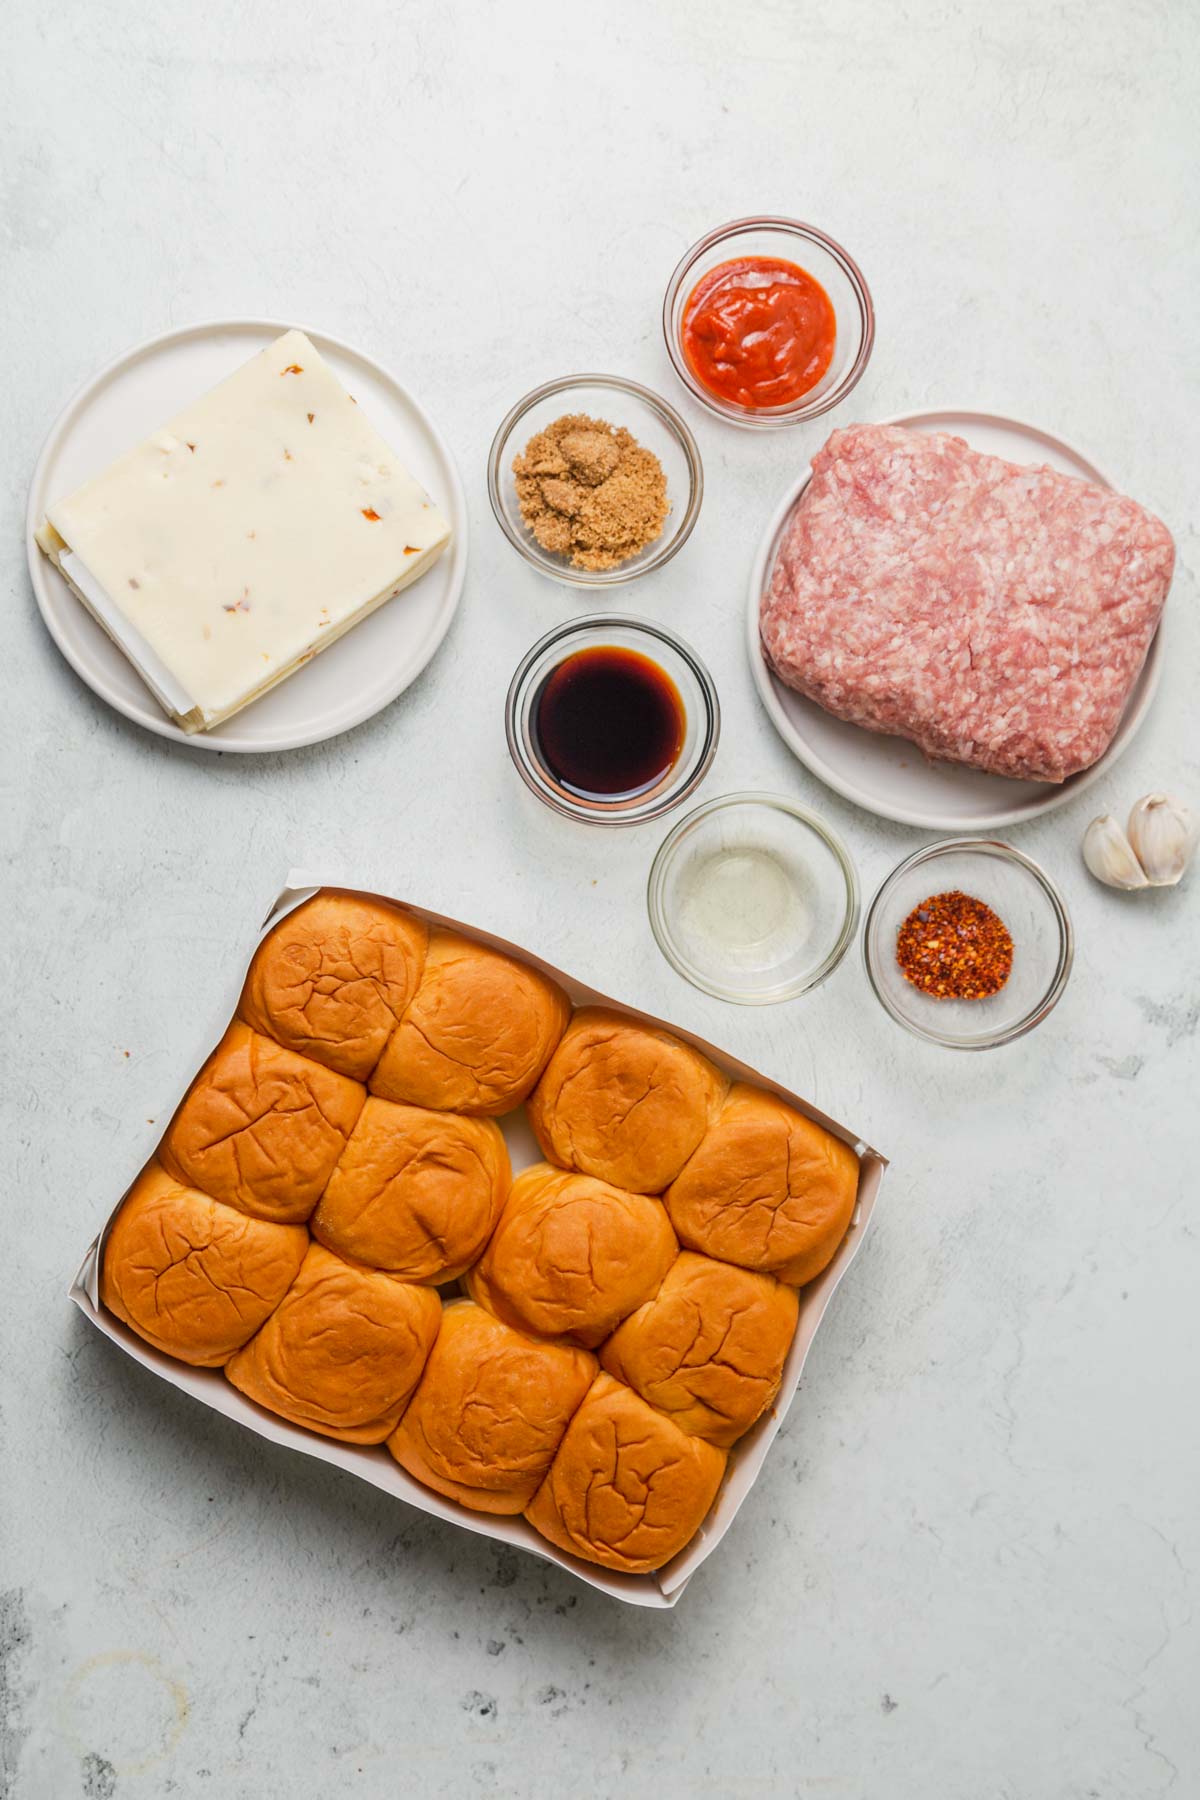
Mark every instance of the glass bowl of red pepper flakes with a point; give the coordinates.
(768, 322)
(968, 944)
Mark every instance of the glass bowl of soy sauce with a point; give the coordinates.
(612, 720)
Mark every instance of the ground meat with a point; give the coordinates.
(995, 615)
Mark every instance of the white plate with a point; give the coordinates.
(888, 775)
(358, 674)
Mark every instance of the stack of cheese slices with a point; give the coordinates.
(246, 535)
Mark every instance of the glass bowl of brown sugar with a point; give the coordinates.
(595, 480)
(968, 944)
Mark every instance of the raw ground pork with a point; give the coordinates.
(996, 615)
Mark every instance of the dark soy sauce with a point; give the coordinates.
(608, 722)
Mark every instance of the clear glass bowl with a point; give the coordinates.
(753, 899)
(822, 258)
(694, 684)
(1029, 904)
(653, 422)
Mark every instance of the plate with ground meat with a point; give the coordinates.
(954, 619)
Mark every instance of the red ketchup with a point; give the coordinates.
(758, 331)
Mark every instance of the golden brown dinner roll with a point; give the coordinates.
(261, 1127)
(489, 1411)
(478, 1033)
(767, 1188)
(624, 1102)
(572, 1256)
(416, 1192)
(333, 978)
(343, 1351)
(193, 1277)
(709, 1349)
(627, 1488)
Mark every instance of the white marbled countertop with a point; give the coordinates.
(968, 1572)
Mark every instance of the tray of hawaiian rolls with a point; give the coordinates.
(525, 1257)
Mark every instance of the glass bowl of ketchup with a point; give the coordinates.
(612, 720)
(768, 322)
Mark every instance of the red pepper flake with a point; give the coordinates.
(240, 605)
(191, 447)
(310, 417)
(953, 947)
(368, 512)
(134, 582)
(411, 550)
(288, 457)
(292, 369)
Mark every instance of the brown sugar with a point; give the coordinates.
(589, 491)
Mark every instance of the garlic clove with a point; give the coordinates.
(1162, 834)
(1109, 855)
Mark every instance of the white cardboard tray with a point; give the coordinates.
(888, 775)
(373, 1463)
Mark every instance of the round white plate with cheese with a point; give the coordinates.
(889, 776)
(360, 673)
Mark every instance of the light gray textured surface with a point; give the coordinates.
(969, 1569)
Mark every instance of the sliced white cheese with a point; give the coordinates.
(171, 695)
(254, 529)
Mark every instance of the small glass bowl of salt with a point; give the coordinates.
(753, 899)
